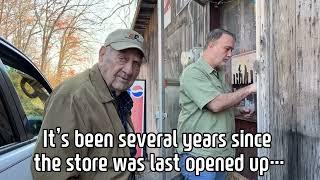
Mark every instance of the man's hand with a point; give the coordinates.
(228, 100)
(246, 112)
(253, 88)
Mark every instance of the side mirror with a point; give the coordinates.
(33, 89)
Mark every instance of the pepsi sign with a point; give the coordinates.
(136, 91)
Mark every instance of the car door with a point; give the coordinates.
(23, 92)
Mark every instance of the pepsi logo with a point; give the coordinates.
(136, 91)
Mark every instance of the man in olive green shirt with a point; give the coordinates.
(95, 101)
(207, 102)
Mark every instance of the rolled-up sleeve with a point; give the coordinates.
(198, 87)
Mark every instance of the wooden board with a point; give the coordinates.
(288, 86)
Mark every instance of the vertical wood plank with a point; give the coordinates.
(276, 85)
(288, 49)
(308, 91)
(149, 71)
(263, 79)
(283, 101)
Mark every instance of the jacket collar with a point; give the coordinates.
(100, 85)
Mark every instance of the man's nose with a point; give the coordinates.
(128, 68)
(229, 53)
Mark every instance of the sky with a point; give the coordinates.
(122, 19)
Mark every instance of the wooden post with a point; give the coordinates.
(288, 52)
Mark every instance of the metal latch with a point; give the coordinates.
(158, 116)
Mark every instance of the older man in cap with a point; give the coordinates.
(95, 101)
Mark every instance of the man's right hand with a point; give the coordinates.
(253, 87)
(228, 100)
(246, 112)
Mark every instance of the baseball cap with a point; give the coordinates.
(125, 38)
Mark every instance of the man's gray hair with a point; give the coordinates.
(215, 35)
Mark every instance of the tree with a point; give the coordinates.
(57, 34)
(73, 41)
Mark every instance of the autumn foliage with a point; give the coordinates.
(51, 32)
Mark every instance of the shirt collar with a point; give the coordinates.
(100, 85)
(207, 67)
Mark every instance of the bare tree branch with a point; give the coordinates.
(118, 8)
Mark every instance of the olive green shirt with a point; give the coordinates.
(199, 84)
(84, 103)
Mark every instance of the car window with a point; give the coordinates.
(6, 132)
(32, 96)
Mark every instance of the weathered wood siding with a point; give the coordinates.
(177, 38)
(149, 72)
(238, 17)
(289, 86)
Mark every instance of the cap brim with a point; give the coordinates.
(125, 45)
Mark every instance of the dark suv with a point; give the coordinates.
(23, 92)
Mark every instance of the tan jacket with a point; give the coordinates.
(84, 103)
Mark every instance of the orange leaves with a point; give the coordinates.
(53, 33)
(61, 24)
(73, 38)
(73, 41)
(30, 20)
(71, 73)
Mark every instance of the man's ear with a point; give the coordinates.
(102, 52)
(211, 44)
